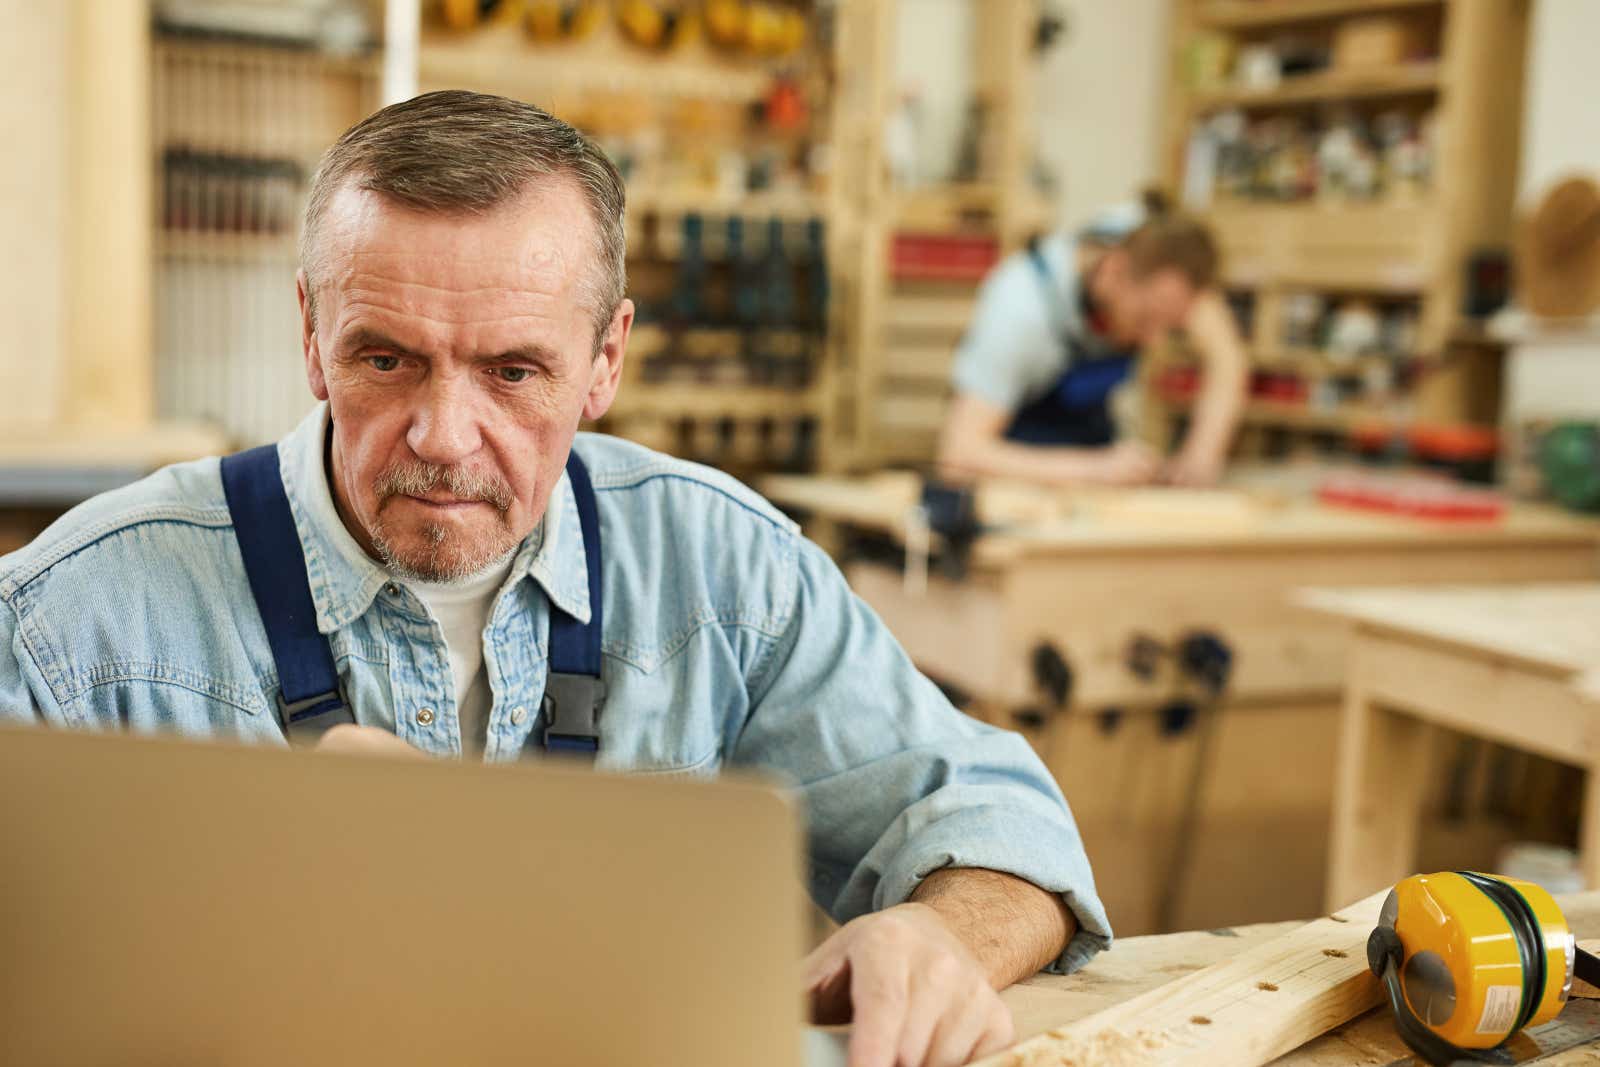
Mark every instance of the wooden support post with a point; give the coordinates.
(1589, 828)
(109, 378)
(1382, 773)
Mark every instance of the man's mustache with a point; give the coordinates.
(416, 478)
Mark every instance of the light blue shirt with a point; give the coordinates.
(729, 640)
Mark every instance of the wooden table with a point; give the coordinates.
(1136, 965)
(1089, 572)
(1519, 666)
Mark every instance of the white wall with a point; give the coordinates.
(1100, 93)
(1101, 98)
(1561, 123)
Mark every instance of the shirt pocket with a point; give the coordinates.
(161, 698)
(663, 721)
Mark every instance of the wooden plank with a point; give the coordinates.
(147, 449)
(1261, 1003)
(1136, 965)
(928, 314)
(1252, 14)
(1410, 79)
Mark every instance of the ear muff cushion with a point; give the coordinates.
(1530, 941)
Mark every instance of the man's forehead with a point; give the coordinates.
(533, 242)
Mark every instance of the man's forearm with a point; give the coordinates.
(1052, 465)
(1011, 926)
(1216, 414)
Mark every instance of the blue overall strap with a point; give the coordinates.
(573, 692)
(309, 700)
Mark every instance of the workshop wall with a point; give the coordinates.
(1099, 154)
(1561, 125)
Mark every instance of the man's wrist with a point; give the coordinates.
(1013, 928)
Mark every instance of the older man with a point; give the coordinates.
(436, 562)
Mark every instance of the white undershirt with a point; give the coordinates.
(462, 609)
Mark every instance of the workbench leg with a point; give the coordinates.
(1378, 793)
(1589, 829)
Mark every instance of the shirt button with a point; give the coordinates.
(519, 715)
(424, 716)
(392, 589)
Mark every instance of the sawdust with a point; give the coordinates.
(1106, 1048)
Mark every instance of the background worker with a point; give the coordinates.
(1059, 327)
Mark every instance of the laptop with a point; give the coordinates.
(176, 903)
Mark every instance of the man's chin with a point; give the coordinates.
(440, 554)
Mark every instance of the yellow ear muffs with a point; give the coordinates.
(1468, 960)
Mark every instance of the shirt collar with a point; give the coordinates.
(344, 579)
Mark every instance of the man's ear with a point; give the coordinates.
(308, 339)
(607, 368)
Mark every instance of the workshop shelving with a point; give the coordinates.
(1366, 184)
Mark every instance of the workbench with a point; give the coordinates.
(1092, 576)
(1139, 964)
(1519, 666)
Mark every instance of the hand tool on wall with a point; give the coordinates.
(558, 20)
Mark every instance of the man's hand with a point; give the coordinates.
(1192, 469)
(349, 739)
(1124, 463)
(916, 994)
(919, 980)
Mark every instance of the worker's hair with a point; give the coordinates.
(458, 152)
(1171, 240)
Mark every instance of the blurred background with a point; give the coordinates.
(1403, 191)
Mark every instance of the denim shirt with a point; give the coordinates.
(729, 640)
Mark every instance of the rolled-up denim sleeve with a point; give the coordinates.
(895, 782)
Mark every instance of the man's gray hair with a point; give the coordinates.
(462, 152)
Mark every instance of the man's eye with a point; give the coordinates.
(514, 374)
(384, 363)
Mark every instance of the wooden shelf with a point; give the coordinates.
(1296, 415)
(226, 247)
(676, 401)
(1315, 363)
(1302, 417)
(79, 447)
(1257, 14)
(789, 205)
(1331, 85)
(262, 58)
(531, 71)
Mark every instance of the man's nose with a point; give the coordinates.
(444, 423)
